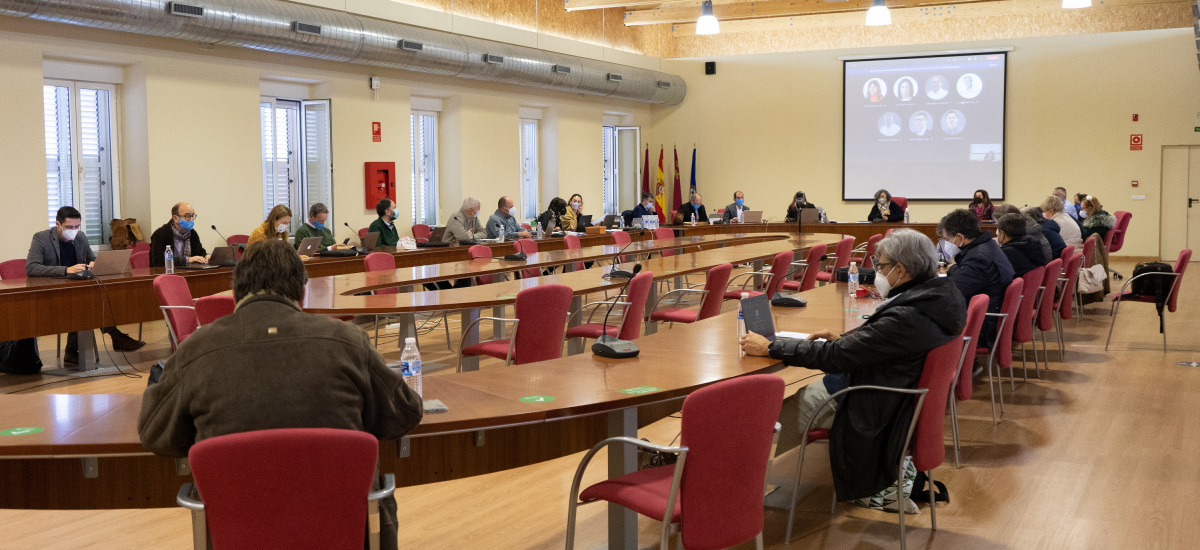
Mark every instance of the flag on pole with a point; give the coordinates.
(693, 191)
(660, 196)
(677, 201)
(645, 173)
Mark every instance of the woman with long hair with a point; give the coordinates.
(274, 227)
(982, 205)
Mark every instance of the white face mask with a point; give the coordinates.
(281, 228)
(69, 234)
(881, 282)
(951, 249)
(882, 201)
(576, 205)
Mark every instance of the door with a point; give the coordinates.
(1180, 209)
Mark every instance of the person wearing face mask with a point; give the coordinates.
(694, 207)
(1042, 230)
(570, 220)
(733, 212)
(1068, 229)
(1073, 208)
(921, 311)
(1022, 250)
(464, 224)
(982, 206)
(61, 250)
(318, 214)
(644, 208)
(179, 234)
(799, 201)
(505, 219)
(385, 224)
(884, 209)
(1093, 219)
(274, 227)
(980, 267)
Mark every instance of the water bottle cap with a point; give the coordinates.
(745, 295)
(410, 341)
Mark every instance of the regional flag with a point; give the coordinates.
(660, 195)
(677, 201)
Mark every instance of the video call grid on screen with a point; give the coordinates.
(924, 127)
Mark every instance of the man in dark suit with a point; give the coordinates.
(693, 207)
(179, 234)
(980, 267)
(734, 210)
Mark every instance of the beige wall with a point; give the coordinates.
(771, 124)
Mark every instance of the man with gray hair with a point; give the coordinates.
(464, 225)
(318, 214)
(505, 220)
(920, 312)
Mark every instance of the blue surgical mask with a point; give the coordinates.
(318, 226)
(187, 225)
(739, 202)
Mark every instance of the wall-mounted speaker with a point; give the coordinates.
(710, 67)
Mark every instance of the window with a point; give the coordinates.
(424, 167)
(529, 168)
(80, 153)
(297, 165)
(620, 152)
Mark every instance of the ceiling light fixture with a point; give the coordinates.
(879, 15)
(1076, 4)
(707, 24)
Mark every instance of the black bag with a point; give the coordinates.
(20, 356)
(866, 275)
(1154, 286)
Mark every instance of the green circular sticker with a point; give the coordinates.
(537, 398)
(22, 431)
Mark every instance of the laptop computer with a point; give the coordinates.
(611, 221)
(437, 235)
(583, 221)
(310, 246)
(369, 241)
(809, 215)
(752, 216)
(223, 256)
(757, 312)
(112, 262)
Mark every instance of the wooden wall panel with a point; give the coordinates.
(521, 14)
(584, 25)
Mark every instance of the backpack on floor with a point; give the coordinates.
(20, 356)
(1157, 287)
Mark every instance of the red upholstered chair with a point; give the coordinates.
(1181, 263)
(421, 232)
(633, 304)
(243, 479)
(923, 437)
(238, 242)
(1000, 354)
(662, 234)
(476, 252)
(139, 259)
(621, 238)
(362, 233)
(901, 202)
(12, 269)
(178, 308)
(537, 332)
(808, 270)
(841, 259)
(528, 246)
(888, 233)
(1089, 250)
(380, 261)
(1023, 329)
(1044, 310)
(714, 491)
(1066, 298)
(1114, 240)
(1066, 254)
(571, 242)
(772, 279)
(211, 308)
(141, 246)
(868, 252)
(710, 305)
(961, 387)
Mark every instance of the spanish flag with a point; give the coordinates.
(660, 195)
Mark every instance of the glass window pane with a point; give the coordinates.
(59, 172)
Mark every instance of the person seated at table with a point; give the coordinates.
(261, 368)
(980, 267)
(551, 220)
(385, 224)
(884, 210)
(921, 311)
(1046, 232)
(62, 250)
(1033, 228)
(464, 224)
(1022, 250)
(1093, 219)
(734, 210)
(274, 227)
(644, 208)
(504, 220)
(1060, 193)
(982, 206)
(1068, 229)
(318, 214)
(570, 220)
(799, 201)
(179, 234)
(693, 208)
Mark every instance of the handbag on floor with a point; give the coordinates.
(20, 356)
(1091, 279)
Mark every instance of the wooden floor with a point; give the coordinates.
(1098, 453)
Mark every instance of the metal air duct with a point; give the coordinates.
(308, 31)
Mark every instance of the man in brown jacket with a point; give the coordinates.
(270, 365)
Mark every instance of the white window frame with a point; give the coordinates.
(530, 157)
(297, 168)
(430, 186)
(98, 237)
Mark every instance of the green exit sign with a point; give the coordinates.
(1198, 128)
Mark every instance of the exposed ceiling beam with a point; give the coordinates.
(689, 11)
(576, 5)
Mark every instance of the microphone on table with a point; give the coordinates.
(347, 224)
(214, 228)
(611, 346)
(616, 272)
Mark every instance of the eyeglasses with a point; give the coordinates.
(190, 217)
(880, 265)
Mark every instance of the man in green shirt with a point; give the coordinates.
(318, 214)
(385, 225)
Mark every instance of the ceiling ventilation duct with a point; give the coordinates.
(294, 29)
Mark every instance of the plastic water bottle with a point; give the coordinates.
(500, 232)
(169, 259)
(905, 215)
(693, 218)
(537, 229)
(741, 321)
(853, 278)
(822, 218)
(410, 365)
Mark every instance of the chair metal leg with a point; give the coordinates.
(954, 429)
(1164, 333)
(1037, 370)
(758, 541)
(932, 501)
(446, 325)
(1062, 346)
(992, 393)
(999, 381)
(900, 504)
(1113, 313)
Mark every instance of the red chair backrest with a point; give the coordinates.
(139, 259)
(421, 232)
(141, 246)
(543, 314)
(211, 308)
(172, 290)
(976, 311)
(888, 233)
(1066, 254)
(1115, 239)
(1181, 264)
(809, 281)
(727, 428)
(1066, 303)
(871, 242)
(844, 249)
(714, 283)
(901, 202)
(928, 447)
(362, 233)
(380, 261)
(1045, 310)
(1023, 330)
(238, 239)
(244, 479)
(478, 251)
(528, 246)
(663, 233)
(12, 269)
(1089, 250)
(621, 238)
(571, 242)
(636, 295)
(779, 269)
(1012, 302)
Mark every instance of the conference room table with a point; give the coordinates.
(529, 413)
(861, 231)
